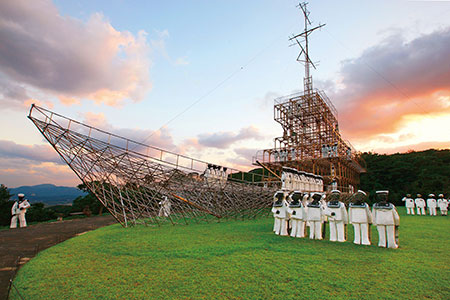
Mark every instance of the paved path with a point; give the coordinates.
(17, 246)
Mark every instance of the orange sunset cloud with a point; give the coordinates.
(397, 94)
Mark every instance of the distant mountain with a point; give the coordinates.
(48, 194)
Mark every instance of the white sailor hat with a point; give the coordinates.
(382, 192)
(431, 195)
(20, 195)
(362, 192)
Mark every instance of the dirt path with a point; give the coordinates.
(17, 246)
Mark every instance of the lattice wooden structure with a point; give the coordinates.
(311, 140)
(133, 180)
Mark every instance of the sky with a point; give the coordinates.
(200, 77)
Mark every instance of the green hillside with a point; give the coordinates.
(422, 172)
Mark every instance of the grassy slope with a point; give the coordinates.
(240, 260)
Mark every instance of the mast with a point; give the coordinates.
(302, 41)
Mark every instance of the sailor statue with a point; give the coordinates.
(337, 216)
(315, 216)
(387, 220)
(409, 204)
(443, 205)
(297, 212)
(19, 210)
(279, 210)
(432, 204)
(360, 217)
(420, 204)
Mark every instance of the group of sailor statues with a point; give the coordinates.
(294, 180)
(297, 210)
(18, 211)
(216, 175)
(284, 155)
(420, 204)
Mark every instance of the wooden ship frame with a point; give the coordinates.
(142, 184)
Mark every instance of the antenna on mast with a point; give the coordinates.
(302, 41)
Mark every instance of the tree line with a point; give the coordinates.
(39, 213)
(422, 172)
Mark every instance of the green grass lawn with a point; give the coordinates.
(240, 260)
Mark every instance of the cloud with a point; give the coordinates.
(391, 81)
(67, 58)
(33, 164)
(243, 158)
(225, 139)
(246, 153)
(159, 46)
(16, 172)
(267, 100)
(37, 153)
(181, 61)
(414, 147)
(161, 138)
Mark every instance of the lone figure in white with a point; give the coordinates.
(443, 205)
(420, 205)
(164, 209)
(337, 216)
(409, 203)
(298, 214)
(387, 220)
(279, 210)
(360, 217)
(18, 210)
(432, 204)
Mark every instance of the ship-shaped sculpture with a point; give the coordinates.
(141, 184)
(138, 183)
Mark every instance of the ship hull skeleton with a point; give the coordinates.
(132, 179)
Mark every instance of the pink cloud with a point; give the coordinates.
(393, 80)
(414, 147)
(25, 172)
(37, 153)
(161, 138)
(225, 139)
(70, 59)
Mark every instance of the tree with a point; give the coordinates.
(4, 193)
(81, 202)
(38, 213)
(5, 205)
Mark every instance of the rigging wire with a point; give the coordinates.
(217, 86)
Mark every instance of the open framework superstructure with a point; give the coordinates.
(311, 141)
